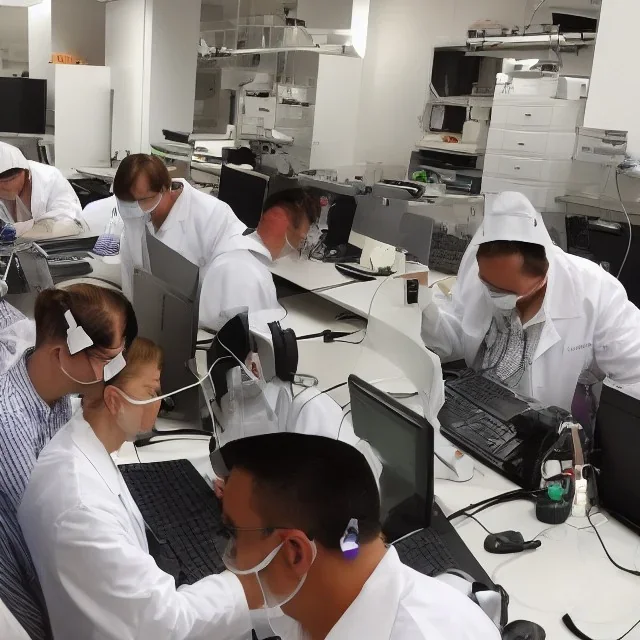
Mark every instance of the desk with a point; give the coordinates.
(568, 574)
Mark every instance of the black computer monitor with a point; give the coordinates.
(616, 446)
(23, 105)
(404, 442)
(245, 192)
(166, 303)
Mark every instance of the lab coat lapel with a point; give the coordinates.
(560, 303)
(179, 213)
(373, 613)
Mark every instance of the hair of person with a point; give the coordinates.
(12, 173)
(130, 170)
(534, 256)
(141, 353)
(311, 483)
(94, 309)
(298, 203)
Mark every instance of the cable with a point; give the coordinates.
(633, 572)
(329, 390)
(570, 624)
(509, 496)
(533, 15)
(626, 255)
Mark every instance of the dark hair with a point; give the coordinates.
(12, 173)
(131, 168)
(311, 483)
(298, 203)
(534, 255)
(93, 308)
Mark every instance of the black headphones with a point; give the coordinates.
(285, 351)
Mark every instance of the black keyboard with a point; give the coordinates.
(480, 431)
(446, 252)
(184, 517)
(489, 396)
(426, 552)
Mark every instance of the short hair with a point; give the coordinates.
(12, 173)
(534, 256)
(298, 203)
(311, 483)
(93, 308)
(130, 170)
(141, 353)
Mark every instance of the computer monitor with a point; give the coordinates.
(404, 442)
(23, 105)
(399, 223)
(166, 302)
(245, 192)
(616, 446)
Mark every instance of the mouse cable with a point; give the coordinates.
(633, 572)
(571, 625)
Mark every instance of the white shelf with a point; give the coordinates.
(434, 143)
(463, 101)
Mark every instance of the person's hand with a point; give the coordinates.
(218, 488)
(252, 591)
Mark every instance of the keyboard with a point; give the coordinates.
(489, 396)
(183, 515)
(426, 552)
(446, 252)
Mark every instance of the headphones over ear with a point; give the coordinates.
(285, 351)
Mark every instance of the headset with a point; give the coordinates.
(285, 352)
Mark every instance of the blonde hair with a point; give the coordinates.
(141, 353)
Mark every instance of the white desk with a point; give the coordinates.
(310, 275)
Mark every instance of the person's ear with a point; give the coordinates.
(111, 400)
(298, 552)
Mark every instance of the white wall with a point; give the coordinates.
(176, 30)
(397, 66)
(614, 94)
(78, 28)
(326, 14)
(124, 53)
(40, 45)
(14, 46)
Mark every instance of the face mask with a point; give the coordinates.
(272, 602)
(111, 370)
(508, 301)
(133, 210)
(129, 421)
(288, 250)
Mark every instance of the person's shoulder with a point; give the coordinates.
(46, 171)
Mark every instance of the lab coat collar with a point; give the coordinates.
(180, 211)
(560, 300)
(373, 612)
(258, 247)
(86, 440)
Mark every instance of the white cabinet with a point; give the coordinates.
(530, 148)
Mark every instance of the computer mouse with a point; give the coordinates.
(523, 630)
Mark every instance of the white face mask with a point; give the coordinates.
(272, 602)
(129, 422)
(505, 301)
(133, 210)
(288, 250)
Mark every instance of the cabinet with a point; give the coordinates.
(530, 148)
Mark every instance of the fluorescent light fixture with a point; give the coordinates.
(360, 26)
(19, 3)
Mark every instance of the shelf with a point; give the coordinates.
(463, 101)
(460, 148)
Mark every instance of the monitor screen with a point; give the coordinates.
(617, 441)
(404, 442)
(23, 105)
(245, 192)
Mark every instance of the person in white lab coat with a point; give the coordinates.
(295, 506)
(196, 225)
(9, 626)
(242, 278)
(546, 323)
(31, 192)
(88, 539)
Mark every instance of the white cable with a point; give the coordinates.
(533, 15)
(626, 255)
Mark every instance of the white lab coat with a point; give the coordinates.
(590, 325)
(51, 194)
(238, 279)
(88, 543)
(199, 227)
(398, 603)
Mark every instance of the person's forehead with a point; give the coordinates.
(237, 502)
(501, 270)
(141, 187)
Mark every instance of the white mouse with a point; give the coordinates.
(452, 464)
